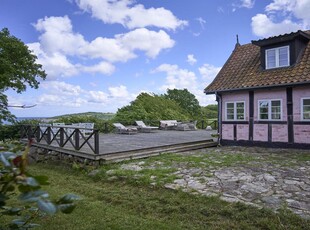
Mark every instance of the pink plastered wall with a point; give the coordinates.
(227, 132)
(302, 134)
(270, 95)
(279, 133)
(234, 97)
(242, 132)
(260, 132)
(298, 93)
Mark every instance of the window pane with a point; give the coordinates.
(230, 111)
(306, 102)
(240, 110)
(276, 110)
(283, 56)
(263, 110)
(306, 109)
(271, 58)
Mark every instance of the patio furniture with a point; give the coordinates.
(168, 124)
(121, 129)
(145, 128)
(186, 126)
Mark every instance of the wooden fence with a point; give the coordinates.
(62, 137)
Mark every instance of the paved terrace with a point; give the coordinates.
(110, 143)
(140, 144)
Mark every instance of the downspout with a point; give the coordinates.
(219, 106)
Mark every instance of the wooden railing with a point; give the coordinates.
(62, 136)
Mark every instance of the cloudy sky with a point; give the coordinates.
(100, 54)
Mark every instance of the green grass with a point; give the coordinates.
(123, 204)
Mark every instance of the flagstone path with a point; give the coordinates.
(269, 178)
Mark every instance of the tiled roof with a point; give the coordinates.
(243, 71)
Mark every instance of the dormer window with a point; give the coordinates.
(277, 57)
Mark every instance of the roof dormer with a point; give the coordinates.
(282, 51)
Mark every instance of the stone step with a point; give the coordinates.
(143, 153)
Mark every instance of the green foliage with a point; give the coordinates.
(151, 108)
(21, 196)
(209, 111)
(18, 68)
(186, 100)
(100, 124)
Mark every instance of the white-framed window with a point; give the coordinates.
(235, 110)
(305, 109)
(270, 109)
(277, 57)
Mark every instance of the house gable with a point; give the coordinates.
(296, 43)
(265, 107)
(245, 68)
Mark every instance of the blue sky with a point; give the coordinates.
(100, 54)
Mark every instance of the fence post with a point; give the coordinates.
(38, 133)
(76, 139)
(49, 130)
(61, 136)
(96, 141)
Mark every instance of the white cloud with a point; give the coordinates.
(243, 4)
(58, 36)
(282, 16)
(120, 91)
(98, 97)
(202, 22)
(57, 57)
(129, 14)
(62, 88)
(247, 3)
(264, 27)
(176, 77)
(149, 41)
(208, 72)
(191, 59)
(102, 67)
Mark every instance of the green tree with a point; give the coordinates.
(186, 100)
(209, 111)
(18, 69)
(150, 108)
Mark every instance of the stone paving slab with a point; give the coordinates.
(263, 177)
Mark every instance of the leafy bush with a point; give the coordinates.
(21, 196)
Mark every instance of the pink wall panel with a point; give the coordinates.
(302, 134)
(260, 132)
(267, 95)
(227, 132)
(242, 132)
(279, 133)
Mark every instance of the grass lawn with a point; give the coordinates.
(123, 204)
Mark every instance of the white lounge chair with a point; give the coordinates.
(145, 128)
(168, 124)
(121, 129)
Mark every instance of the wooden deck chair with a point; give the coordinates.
(121, 129)
(145, 128)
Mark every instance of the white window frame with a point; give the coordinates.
(235, 111)
(302, 108)
(269, 110)
(277, 62)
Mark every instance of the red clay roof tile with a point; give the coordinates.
(243, 70)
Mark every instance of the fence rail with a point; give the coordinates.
(62, 136)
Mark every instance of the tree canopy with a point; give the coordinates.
(151, 108)
(186, 100)
(18, 69)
